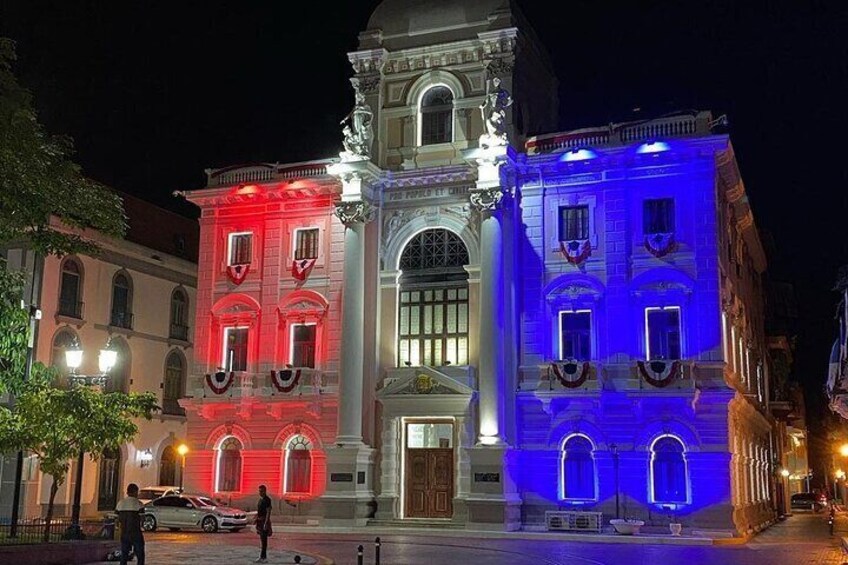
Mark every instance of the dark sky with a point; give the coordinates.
(153, 92)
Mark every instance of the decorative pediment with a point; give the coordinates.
(424, 381)
(304, 305)
(573, 290)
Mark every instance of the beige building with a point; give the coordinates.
(140, 293)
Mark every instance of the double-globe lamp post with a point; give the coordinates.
(106, 362)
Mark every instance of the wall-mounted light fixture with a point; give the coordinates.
(145, 458)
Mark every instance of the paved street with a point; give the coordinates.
(801, 540)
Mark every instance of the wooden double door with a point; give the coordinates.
(429, 482)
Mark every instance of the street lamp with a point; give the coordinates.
(843, 450)
(784, 473)
(614, 448)
(106, 362)
(182, 449)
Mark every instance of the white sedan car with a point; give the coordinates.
(188, 511)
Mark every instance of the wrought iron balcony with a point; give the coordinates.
(178, 331)
(121, 320)
(70, 309)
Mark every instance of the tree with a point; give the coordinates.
(57, 424)
(39, 182)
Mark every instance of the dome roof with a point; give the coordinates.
(415, 17)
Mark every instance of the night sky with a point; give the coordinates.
(154, 92)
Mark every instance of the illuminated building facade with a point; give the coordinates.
(480, 333)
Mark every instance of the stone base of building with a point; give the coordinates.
(349, 500)
(493, 503)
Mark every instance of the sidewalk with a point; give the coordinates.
(810, 531)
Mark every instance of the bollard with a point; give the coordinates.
(359, 551)
(377, 551)
(297, 558)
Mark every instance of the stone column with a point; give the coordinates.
(491, 364)
(353, 215)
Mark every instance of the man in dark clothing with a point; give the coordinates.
(263, 522)
(129, 518)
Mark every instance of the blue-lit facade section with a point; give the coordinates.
(660, 402)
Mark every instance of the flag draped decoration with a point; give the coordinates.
(285, 380)
(660, 244)
(220, 382)
(301, 268)
(576, 251)
(237, 273)
(659, 373)
(565, 373)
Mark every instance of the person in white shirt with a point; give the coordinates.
(129, 517)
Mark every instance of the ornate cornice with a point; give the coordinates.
(356, 212)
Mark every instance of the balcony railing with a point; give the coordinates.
(70, 308)
(178, 331)
(121, 320)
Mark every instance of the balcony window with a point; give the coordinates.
(303, 345)
(306, 244)
(235, 349)
(179, 315)
(575, 335)
(658, 216)
(662, 328)
(121, 315)
(573, 223)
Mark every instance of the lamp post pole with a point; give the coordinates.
(73, 359)
(182, 449)
(614, 449)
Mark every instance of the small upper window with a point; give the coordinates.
(575, 335)
(71, 288)
(573, 223)
(179, 315)
(121, 302)
(437, 116)
(240, 248)
(306, 244)
(658, 216)
(235, 349)
(663, 333)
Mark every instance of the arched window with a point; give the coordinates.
(229, 466)
(174, 386)
(433, 316)
(668, 471)
(437, 116)
(578, 469)
(109, 480)
(63, 340)
(179, 315)
(168, 467)
(121, 302)
(119, 377)
(297, 473)
(70, 290)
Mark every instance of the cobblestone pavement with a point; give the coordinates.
(801, 540)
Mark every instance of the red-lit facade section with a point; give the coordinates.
(262, 400)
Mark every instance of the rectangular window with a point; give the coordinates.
(235, 349)
(658, 216)
(240, 248)
(573, 223)
(575, 335)
(433, 327)
(306, 244)
(303, 345)
(662, 328)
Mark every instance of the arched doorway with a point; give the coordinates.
(433, 300)
(168, 467)
(109, 483)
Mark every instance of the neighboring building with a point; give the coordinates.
(468, 333)
(837, 378)
(140, 293)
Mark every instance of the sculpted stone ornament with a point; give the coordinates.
(354, 212)
(358, 131)
(493, 110)
(487, 200)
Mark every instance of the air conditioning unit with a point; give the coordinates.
(573, 521)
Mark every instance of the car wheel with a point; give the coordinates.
(148, 523)
(209, 525)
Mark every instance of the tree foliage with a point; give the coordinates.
(14, 331)
(38, 180)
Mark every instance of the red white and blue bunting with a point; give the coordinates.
(220, 382)
(565, 372)
(576, 251)
(301, 268)
(660, 244)
(237, 273)
(659, 373)
(286, 380)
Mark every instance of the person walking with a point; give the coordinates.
(263, 523)
(129, 519)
